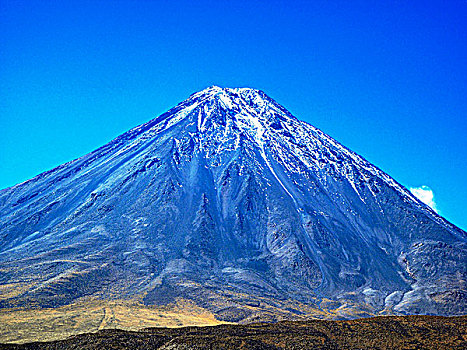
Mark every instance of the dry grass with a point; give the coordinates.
(26, 325)
(20, 325)
(11, 290)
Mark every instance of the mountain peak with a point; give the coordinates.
(216, 91)
(230, 111)
(241, 103)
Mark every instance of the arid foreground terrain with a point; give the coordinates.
(409, 332)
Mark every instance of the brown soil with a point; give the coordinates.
(408, 332)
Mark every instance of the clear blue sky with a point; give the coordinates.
(385, 78)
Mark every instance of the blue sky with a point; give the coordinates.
(387, 78)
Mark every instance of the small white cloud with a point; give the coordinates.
(425, 194)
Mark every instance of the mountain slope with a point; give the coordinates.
(231, 202)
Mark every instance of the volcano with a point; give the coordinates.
(228, 203)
